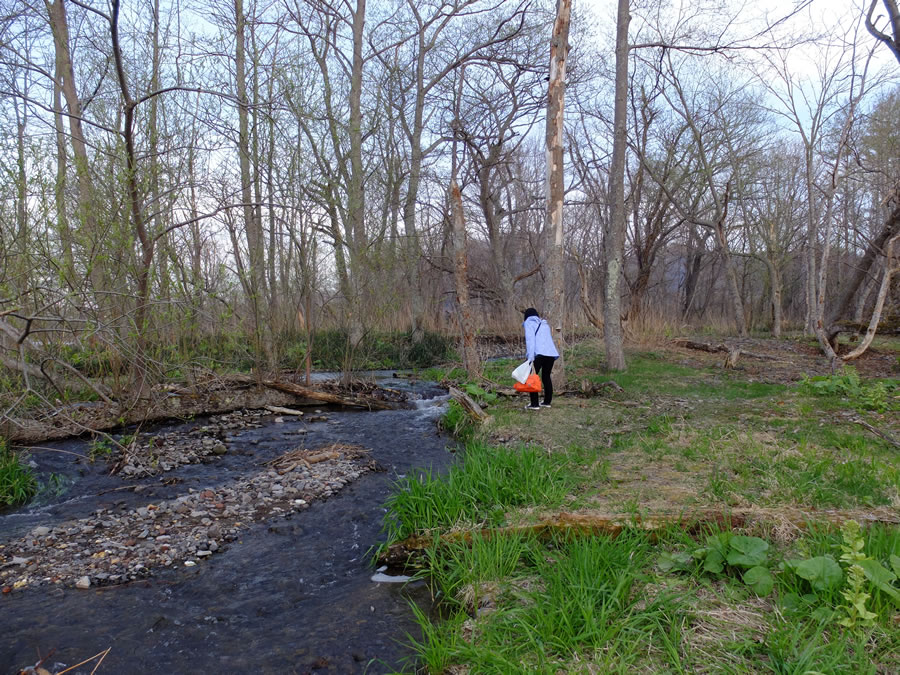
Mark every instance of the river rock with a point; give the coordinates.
(83, 582)
(41, 531)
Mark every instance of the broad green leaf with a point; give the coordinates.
(895, 563)
(791, 602)
(679, 562)
(760, 580)
(822, 572)
(880, 576)
(747, 551)
(714, 562)
(823, 614)
(720, 542)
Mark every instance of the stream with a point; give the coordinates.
(294, 593)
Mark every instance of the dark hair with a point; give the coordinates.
(531, 311)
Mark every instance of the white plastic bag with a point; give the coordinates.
(521, 373)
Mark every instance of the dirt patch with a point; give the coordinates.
(786, 361)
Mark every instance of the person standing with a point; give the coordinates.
(541, 352)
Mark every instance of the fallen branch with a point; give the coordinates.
(301, 456)
(733, 352)
(592, 524)
(473, 409)
(890, 440)
(283, 411)
(305, 392)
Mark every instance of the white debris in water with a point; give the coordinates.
(381, 578)
(189, 563)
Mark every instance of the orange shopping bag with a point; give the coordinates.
(532, 384)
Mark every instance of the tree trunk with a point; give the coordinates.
(889, 271)
(776, 292)
(59, 188)
(614, 242)
(734, 291)
(889, 230)
(556, 300)
(253, 228)
(86, 205)
(460, 274)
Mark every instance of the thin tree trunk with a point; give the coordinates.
(461, 277)
(86, 204)
(253, 228)
(889, 271)
(556, 297)
(59, 188)
(614, 241)
(776, 292)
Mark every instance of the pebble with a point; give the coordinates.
(125, 543)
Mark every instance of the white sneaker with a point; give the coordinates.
(545, 405)
(532, 407)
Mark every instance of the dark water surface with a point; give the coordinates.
(292, 595)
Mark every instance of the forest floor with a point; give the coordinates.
(678, 455)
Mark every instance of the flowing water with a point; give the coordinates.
(292, 595)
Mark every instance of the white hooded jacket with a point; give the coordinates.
(538, 338)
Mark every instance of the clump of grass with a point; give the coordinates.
(17, 482)
(570, 605)
(479, 490)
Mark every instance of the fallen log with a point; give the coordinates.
(732, 352)
(473, 409)
(592, 524)
(305, 392)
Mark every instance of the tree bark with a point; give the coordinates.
(889, 271)
(556, 292)
(614, 241)
(252, 225)
(461, 278)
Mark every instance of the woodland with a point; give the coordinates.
(248, 186)
(202, 203)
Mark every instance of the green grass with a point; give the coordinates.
(516, 604)
(520, 605)
(478, 491)
(17, 482)
(676, 438)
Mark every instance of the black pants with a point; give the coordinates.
(542, 366)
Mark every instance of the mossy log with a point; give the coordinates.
(404, 552)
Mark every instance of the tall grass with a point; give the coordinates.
(516, 605)
(17, 482)
(479, 490)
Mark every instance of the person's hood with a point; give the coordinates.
(533, 321)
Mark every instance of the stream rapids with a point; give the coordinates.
(221, 564)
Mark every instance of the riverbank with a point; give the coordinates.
(686, 519)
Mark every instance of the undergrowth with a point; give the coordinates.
(17, 482)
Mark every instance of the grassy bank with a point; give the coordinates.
(786, 592)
